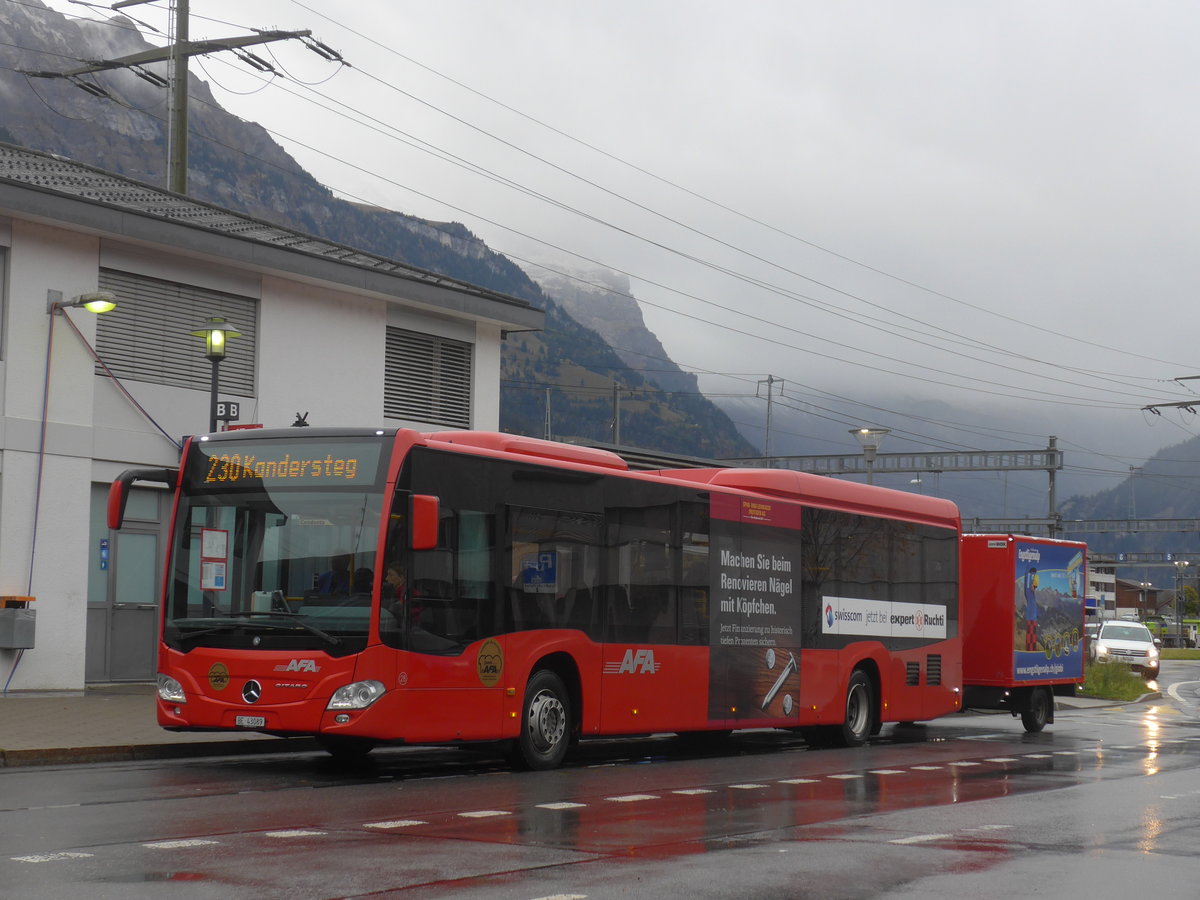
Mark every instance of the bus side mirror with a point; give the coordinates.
(425, 518)
(118, 492)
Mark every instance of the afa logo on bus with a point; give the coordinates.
(634, 662)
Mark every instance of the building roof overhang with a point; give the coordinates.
(61, 192)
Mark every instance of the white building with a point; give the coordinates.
(1102, 590)
(348, 338)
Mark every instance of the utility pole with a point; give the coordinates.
(1051, 471)
(176, 54)
(177, 74)
(547, 413)
(769, 381)
(616, 415)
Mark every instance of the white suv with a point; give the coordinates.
(1127, 642)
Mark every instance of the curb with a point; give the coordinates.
(1103, 703)
(138, 752)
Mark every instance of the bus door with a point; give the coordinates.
(648, 682)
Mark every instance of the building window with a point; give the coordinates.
(148, 337)
(428, 379)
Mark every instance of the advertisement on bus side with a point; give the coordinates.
(754, 615)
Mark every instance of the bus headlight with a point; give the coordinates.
(170, 690)
(358, 695)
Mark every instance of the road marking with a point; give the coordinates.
(920, 839)
(631, 798)
(51, 857)
(564, 804)
(179, 845)
(293, 833)
(396, 823)
(484, 814)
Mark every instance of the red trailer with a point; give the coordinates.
(1022, 623)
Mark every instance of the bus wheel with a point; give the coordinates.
(1038, 714)
(346, 749)
(860, 710)
(545, 723)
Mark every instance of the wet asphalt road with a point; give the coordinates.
(1105, 802)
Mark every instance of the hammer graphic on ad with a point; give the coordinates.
(783, 676)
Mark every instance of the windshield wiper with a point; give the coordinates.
(242, 619)
(295, 621)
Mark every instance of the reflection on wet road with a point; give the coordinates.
(464, 823)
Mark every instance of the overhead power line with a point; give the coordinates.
(176, 53)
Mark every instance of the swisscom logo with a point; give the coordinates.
(881, 618)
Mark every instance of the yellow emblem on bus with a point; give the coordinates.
(490, 663)
(218, 676)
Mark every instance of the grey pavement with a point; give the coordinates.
(116, 722)
(108, 723)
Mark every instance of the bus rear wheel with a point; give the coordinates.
(860, 711)
(545, 723)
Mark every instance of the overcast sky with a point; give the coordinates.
(989, 204)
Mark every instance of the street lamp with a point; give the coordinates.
(93, 301)
(1143, 586)
(870, 438)
(216, 332)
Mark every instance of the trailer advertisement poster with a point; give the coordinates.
(1048, 599)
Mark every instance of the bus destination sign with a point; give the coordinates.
(284, 464)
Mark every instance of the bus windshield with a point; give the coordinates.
(272, 563)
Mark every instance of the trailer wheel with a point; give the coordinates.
(545, 723)
(1038, 714)
(860, 711)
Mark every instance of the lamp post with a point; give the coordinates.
(1180, 566)
(870, 439)
(1143, 586)
(94, 302)
(216, 332)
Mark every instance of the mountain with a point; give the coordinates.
(1163, 487)
(671, 400)
(569, 362)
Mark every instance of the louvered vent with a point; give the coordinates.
(428, 379)
(933, 669)
(912, 673)
(148, 337)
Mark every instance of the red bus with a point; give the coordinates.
(390, 586)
